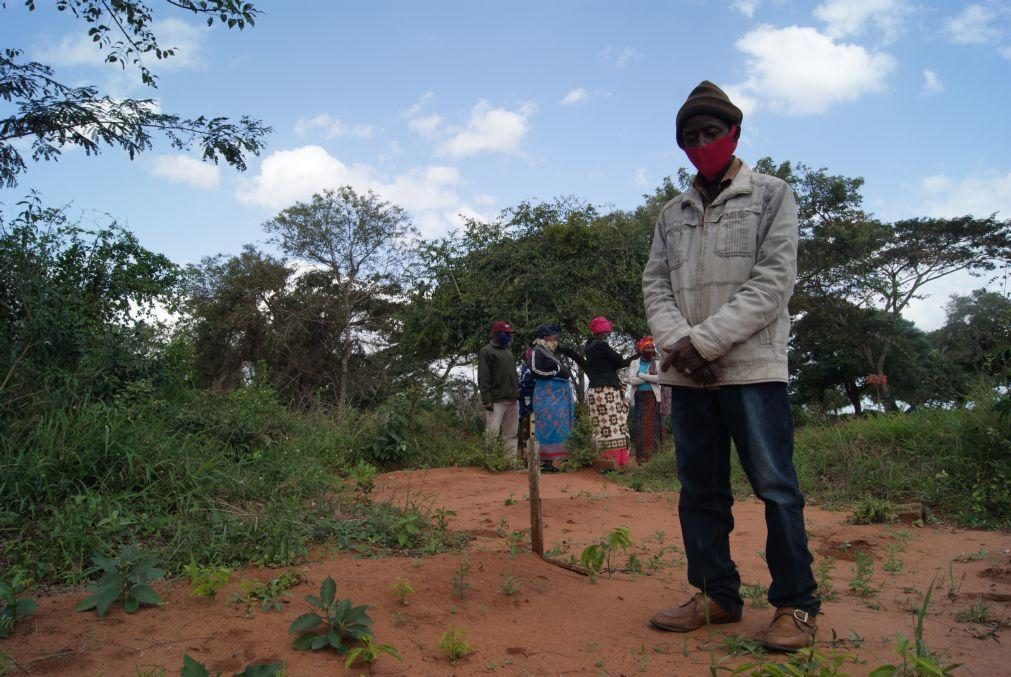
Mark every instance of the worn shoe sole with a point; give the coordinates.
(671, 628)
(772, 646)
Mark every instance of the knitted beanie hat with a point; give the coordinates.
(707, 99)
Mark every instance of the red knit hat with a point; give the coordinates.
(501, 325)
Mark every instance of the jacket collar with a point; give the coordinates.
(741, 185)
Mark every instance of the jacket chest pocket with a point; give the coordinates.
(737, 233)
(678, 238)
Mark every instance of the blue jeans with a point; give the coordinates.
(757, 418)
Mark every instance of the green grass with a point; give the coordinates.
(219, 480)
(957, 462)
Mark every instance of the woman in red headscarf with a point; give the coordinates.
(647, 420)
(606, 398)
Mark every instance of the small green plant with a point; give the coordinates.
(12, 609)
(341, 622)
(510, 501)
(517, 543)
(194, 668)
(595, 557)
(454, 644)
(976, 613)
(893, 564)
(862, 574)
(634, 564)
(460, 584)
(268, 594)
(364, 476)
(126, 578)
(502, 530)
(402, 589)
(206, 581)
(510, 584)
(407, 529)
(742, 645)
(872, 510)
(756, 594)
(398, 618)
(972, 556)
(592, 559)
(442, 518)
(368, 652)
(643, 653)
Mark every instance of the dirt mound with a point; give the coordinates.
(525, 616)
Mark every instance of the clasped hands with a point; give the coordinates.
(685, 358)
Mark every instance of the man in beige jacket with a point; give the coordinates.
(720, 273)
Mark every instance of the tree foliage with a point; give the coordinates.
(54, 115)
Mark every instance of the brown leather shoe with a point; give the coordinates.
(791, 629)
(693, 614)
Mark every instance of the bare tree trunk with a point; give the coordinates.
(342, 390)
(853, 394)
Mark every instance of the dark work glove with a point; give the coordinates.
(682, 356)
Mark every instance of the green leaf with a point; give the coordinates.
(884, 671)
(328, 591)
(315, 601)
(131, 604)
(319, 642)
(145, 594)
(88, 603)
(106, 596)
(106, 564)
(391, 650)
(304, 642)
(304, 622)
(192, 668)
(352, 657)
(334, 639)
(25, 607)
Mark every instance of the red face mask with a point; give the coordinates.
(714, 157)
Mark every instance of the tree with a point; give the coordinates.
(361, 240)
(233, 302)
(55, 115)
(848, 258)
(977, 333)
(72, 301)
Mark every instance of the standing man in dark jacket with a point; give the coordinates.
(720, 274)
(500, 391)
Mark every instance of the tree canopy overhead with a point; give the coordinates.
(54, 115)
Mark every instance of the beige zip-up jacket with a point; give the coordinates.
(723, 276)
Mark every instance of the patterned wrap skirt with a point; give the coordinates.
(647, 424)
(554, 413)
(609, 416)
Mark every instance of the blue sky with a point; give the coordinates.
(450, 108)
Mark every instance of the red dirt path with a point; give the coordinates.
(559, 622)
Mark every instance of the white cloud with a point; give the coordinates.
(575, 96)
(1005, 51)
(332, 127)
(746, 7)
(494, 130)
(619, 57)
(980, 196)
(640, 177)
(853, 17)
(418, 105)
(800, 71)
(186, 169)
(973, 26)
(484, 200)
(427, 126)
(428, 193)
(931, 83)
(185, 39)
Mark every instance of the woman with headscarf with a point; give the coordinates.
(647, 420)
(552, 400)
(606, 398)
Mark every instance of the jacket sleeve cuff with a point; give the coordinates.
(709, 346)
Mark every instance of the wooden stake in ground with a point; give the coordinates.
(536, 521)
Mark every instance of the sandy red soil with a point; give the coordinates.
(558, 622)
